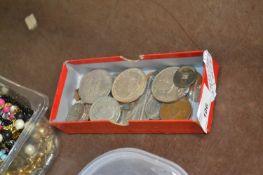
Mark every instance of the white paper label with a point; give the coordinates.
(204, 108)
(207, 58)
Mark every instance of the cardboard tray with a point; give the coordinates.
(73, 70)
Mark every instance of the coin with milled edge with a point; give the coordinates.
(129, 85)
(152, 108)
(185, 76)
(163, 88)
(179, 110)
(75, 112)
(105, 108)
(85, 115)
(95, 84)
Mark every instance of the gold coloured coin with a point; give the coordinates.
(179, 110)
(129, 85)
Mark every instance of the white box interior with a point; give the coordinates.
(75, 73)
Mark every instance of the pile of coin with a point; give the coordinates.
(134, 95)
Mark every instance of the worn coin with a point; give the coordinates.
(129, 85)
(85, 115)
(178, 110)
(75, 112)
(95, 84)
(185, 76)
(152, 108)
(163, 88)
(105, 108)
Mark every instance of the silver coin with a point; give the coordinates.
(75, 112)
(152, 108)
(163, 88)
(185, 76)
(95, 84)
(129, 85)
(105, 108)
(85, 115)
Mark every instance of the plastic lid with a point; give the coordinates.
(130, 161)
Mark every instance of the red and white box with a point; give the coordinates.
(73, 70)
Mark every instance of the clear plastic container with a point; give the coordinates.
(130, 161)
(38, 103)
(45, 144)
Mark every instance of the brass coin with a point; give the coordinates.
(179, 110)
(185, 76)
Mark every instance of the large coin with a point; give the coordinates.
(85, 115)
(163, 88)
(129, 85)
(178, 110)
(152, 108)
(95, 84)
(75, 112)
(105, 108)
(185, 76)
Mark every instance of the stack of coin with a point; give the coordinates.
(135, 96)
(152, 108)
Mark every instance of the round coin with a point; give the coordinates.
(185, 76)
(163, 88)
(129, 85)
(95, 84)
(152, 108)
(105, 108)
(179, 110)
(75, 112)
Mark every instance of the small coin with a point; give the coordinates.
(129, 85)
(179, 110)
(163, 88)
(185, 76)
(105, 108)
(75, 112)
(95, 84)
(85, 115)
(195, 89)
(152, 108)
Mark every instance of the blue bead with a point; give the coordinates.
(4, 156)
